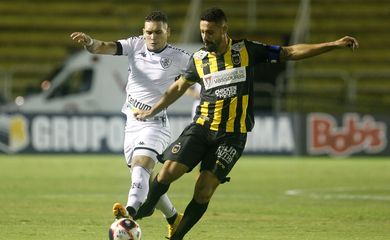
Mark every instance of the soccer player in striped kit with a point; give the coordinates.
(153, 66)
(217, 136)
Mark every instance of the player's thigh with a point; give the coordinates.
(189, 148)
(145, 139)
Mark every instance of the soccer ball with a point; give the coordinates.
(124, 229)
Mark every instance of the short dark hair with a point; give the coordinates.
(213, 15)
(156, 16)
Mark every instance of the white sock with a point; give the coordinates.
(139, 187)
(165, 206)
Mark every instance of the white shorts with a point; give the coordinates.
(149, 138)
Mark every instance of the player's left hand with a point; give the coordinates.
(349, 42)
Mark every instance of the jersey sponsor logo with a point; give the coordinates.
(134, 103)
(165, 62)
(224, 77)
(226, 92)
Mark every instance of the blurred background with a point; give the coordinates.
(35, 42)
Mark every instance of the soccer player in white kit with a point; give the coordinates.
(153, 66)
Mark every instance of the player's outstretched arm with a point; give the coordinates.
(94, 45)
(302, 51)
(176, 90)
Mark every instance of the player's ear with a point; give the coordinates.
(168, 31)
(224, 28)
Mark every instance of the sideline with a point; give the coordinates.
(343, 193)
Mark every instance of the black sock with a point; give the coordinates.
(172, 219)
(192, 214)
(156, 190)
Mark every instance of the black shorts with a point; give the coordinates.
(217, 152)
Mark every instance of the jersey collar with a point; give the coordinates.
(159, 51)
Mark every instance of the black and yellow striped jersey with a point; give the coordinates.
(226, 103)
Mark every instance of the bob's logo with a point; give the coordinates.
(324, 137)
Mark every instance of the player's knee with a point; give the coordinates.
(143, 161)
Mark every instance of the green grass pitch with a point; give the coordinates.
(272, 198)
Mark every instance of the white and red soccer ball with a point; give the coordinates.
(124, 229)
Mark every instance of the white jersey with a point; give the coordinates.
(150, 73)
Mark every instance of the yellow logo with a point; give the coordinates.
(14, 132)
(176, 148)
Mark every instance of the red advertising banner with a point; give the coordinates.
(344, 135)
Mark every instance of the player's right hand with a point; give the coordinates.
(141, 115)
(82, 38)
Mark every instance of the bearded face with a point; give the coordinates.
(213, 35)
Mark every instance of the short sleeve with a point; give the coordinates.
(190, 74)
(185, 58)
(127, 45)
